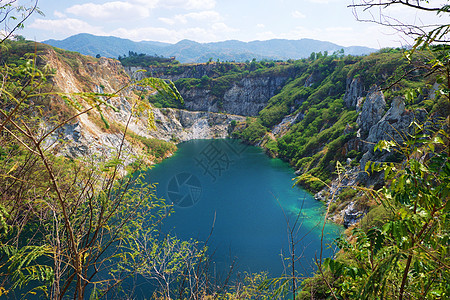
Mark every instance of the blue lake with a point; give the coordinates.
(249, 195)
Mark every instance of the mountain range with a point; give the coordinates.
(187, 51)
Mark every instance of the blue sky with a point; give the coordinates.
(210, 20)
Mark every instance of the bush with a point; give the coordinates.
(252, 133)
(347, 194)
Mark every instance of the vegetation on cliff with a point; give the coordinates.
(223, 75)
(324, 124)
(74, 227)
(143, 60)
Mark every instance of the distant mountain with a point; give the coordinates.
(190, 51)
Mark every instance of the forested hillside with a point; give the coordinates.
(311, 119)
(371, 134)
(324, 115)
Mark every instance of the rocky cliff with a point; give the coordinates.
(374, 124)
(245, 95)
(87, 135)
(182, 125)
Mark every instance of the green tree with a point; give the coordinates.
(406, 256)
(67, 224)
(81, 216)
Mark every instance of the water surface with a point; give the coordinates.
(249, 195)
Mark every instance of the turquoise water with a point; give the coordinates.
(249, 195)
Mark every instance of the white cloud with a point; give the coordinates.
(67, 26)
(223, 28)
(210, 33)
(111, 10)
(189, 4)
(146, 33)
(203, 16)
(168, 21)
(59, 14)
(208, 15)
(260, 25)
(298, 15)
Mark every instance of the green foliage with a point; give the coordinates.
(272, 148)
(315, 152)
(314, 287)
(408, 242)
(159, 149)
(347, 194)
(160, 101)
(187, 83)
(144, 60)
(252, 132)
(315, 143)
(376, 217)
(222, 76)
(71, 219)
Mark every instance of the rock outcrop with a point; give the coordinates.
(182, 125)
(372, 110)
(353, 92)
(250, 95)
(351, 215)
(394, 126)
(285, 124)
(246, 97)
(87, 136)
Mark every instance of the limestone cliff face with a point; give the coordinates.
(395, 125)
(372, 110)
(84, 73)
(182, 125)
(87, 136)
(246, 97)
(283, 127)
(353, 92)
(374, 124)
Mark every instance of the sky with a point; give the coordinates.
(213, 20)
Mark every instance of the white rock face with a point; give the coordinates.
(394, 126)
(246, 97)
(372, 110)
(352, 215)
(285, 124)
(353, 92)
(182, 125)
